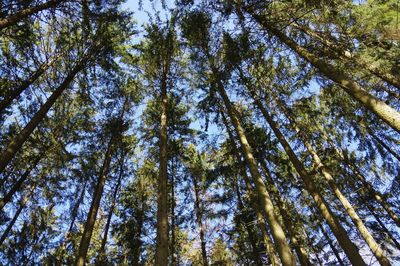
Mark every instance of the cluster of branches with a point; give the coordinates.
(230, 133)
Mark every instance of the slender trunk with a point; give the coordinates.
(102, 253)
(380, 108)
(74, 214)
(246, 220)
(366, 235)
(14, 18)
(16, 143)
(376, 195)
(253, 200)
(385, 76)
(173, 250)
(16, 92)
(278, 234)
(7, 197)
(287, 220)
(161, 257)
(384, 145)
(94, 207)
(199, 220)
(332, 246)
(16, 215)
(340, 233)
(137, 242)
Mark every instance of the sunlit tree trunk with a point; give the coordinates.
(270, 250)
(340, 233)
(277, 232)
(380, 108)
(366, 235)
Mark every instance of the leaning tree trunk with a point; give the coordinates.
(278, 234)
(16, 215)
(94, 207)
(376, 195)
(16, 143)
(366, 235)
(340, 233)
(15, 18)
(16, 92)
(300, 251)
(253, 199)
(331, 245)
(102, 253)
(384, 75)
(378, 107)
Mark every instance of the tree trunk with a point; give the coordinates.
(94, 207)
(173, 223)
(102, 254)
(253, 200)
(384, 145)
(330, 243)
(16, 143)
(366, 235)
(7, 197)
(74, 215)
(380, 108)
(199, 220)
(376, 195)
(16, 215)
(340, 233)
(16, 92)
(385, 76)
(278, 234)
(161, 257)
(14, 18)
(300, 251)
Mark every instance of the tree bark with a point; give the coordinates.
(102, 253)
(16, 92)
(161, 257)
(16, 143)
(343, 53)
(278, 234)
(14, 18)
(366, 235)
(274, 261)
(378, 107)
(94, 207)
(340, 233)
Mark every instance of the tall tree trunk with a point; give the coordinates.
(199, 220)
(287, 220)
(246, 220)
(340, 233)
(16, 215)
(274, 261)
(376, 195)
(16, 143)
(16, 92)
(380, 108)
(278, 234)
(366, 235)
(8, 196)
(94, 207)
(384, 145)
(74, 215)
(331, 245)
(102, 253)
(385, 76)
(173, 223)
(14, 18)
(162, 201)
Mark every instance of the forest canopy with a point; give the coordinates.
(208, 132)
